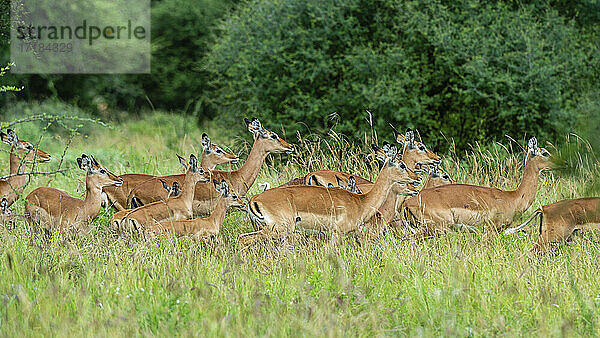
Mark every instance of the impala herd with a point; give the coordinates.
(194, 204)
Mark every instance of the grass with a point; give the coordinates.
(460, 284)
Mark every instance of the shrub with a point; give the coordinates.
(468, 70)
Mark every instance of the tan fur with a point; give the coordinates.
(559, 220)
(52, 208)
(205, 196)
(173, 208)
(437, 209)
(321, 208)
(212, 155)
(200, 227)
(21, 153)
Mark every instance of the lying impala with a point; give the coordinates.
(51, 208)
(21, 152)
(202, 227)
(173, 208)
(205, 196)
(439, 208)
(212, 156)
(558, 221)
(321, 208)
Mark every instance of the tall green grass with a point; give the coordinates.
(459, 284)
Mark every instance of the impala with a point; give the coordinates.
(51, 208)
(439, 208)
(212, 156)
(559, 220)
(173, 208)
(202, 227)
(350, 185)
(171, 192)
(205, 196)
(21, 152)
(321, 208)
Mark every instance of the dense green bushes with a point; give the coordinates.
(472, 70)
(182, 32)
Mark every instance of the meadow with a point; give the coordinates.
(476, 284)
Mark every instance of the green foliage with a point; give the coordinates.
(182, 33)
(470, 70)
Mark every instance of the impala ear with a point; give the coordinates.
(398, 135)
(225, 188)
(205, 143)
(254, 126)
(193, 163)
(84, 162)
(532, 146)
(409, 139)
(340, 183)
(351, 181)
(165, 185)
(10, 137)
(94, 162)
(176, 189)
(4, 206)
(182, 161)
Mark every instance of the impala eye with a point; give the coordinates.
(29, 147)
(103, 172)
(219, 151)
(274, 136)
(403, 166)
(421, 148)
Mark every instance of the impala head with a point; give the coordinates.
(233, 200)
(405, 189)
(418, 152)
(97, 175)
(539, 157)
(400, 173)
(24, 148)
(271, 141)
(191, 167)
(440, 174)
(213, 155)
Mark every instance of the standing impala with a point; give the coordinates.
(21, 152)
(439, 208)
(205, 196)
(202, 227)
(212, 155)
(559, 220)
(173, 208)
(321, 208)
(52, 208)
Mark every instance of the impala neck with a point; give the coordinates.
(189, 185)
(374, 199)
(16, 167)
(243, 178)
(525, 193)
(217, 217)
(93, 200)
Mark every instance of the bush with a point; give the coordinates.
(467, 70)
